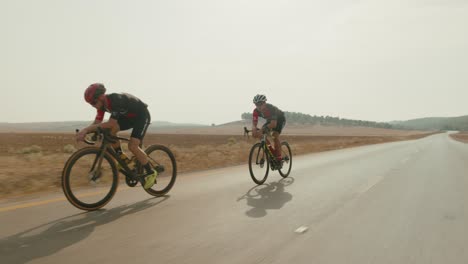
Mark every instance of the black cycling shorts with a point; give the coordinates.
(139, 124)
(280, 123)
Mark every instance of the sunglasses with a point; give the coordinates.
(259, 103)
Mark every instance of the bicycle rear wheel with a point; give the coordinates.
(258, 164)
(163, 161)
(86, 184)
(287, 160)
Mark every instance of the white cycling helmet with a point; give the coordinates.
(259, 98)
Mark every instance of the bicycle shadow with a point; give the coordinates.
(270, 196)
(49, 238)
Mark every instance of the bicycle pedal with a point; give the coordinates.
(159, 169)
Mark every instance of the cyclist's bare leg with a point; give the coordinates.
(277, 143)
(134, 147)
(114, 130)
(150, 177)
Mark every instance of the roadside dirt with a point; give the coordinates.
(33, 162)
(461, 136)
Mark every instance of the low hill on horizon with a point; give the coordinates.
(297, 120)
(428, 123)
(459, 123)
(300, 118)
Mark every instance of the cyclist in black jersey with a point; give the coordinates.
(275, 121)
(127, 111)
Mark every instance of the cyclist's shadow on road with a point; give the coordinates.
(47, 239)
(270, 196)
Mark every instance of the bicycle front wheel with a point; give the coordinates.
(258, 164)
(163, 161)
(287, 160)
(88, 183)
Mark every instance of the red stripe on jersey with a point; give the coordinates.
(100, 115)
(255, 117)
(109, 105)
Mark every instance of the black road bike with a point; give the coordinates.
(262, 159)
(91, 175)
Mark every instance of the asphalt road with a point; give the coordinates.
(402, 202)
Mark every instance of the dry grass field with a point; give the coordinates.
(461, 136)
(33, 162)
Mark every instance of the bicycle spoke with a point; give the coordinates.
(162, 160)
(286, 161)
(258, 164)
(86, 187)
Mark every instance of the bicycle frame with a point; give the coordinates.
(101, 160)
(107, 138)
(264, 145)
(107, 147)
(262, 159)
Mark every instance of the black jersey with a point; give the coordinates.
(122, 106)
(270, 113)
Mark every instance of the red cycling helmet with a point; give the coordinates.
(93, 92)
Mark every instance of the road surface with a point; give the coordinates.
(402, 202)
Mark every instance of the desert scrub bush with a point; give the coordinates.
(232, 141)
(69, 148)
(31, 149)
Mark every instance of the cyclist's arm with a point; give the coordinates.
(109, 124)
(254, 123)
(97, 120)
(99, 117)
(104, 125)
(254, 128)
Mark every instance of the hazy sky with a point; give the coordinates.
(202, 61)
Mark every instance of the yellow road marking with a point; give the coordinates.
(32, 204)
(26, 205)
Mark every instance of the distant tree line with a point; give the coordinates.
(300, 118)
(459, 123)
